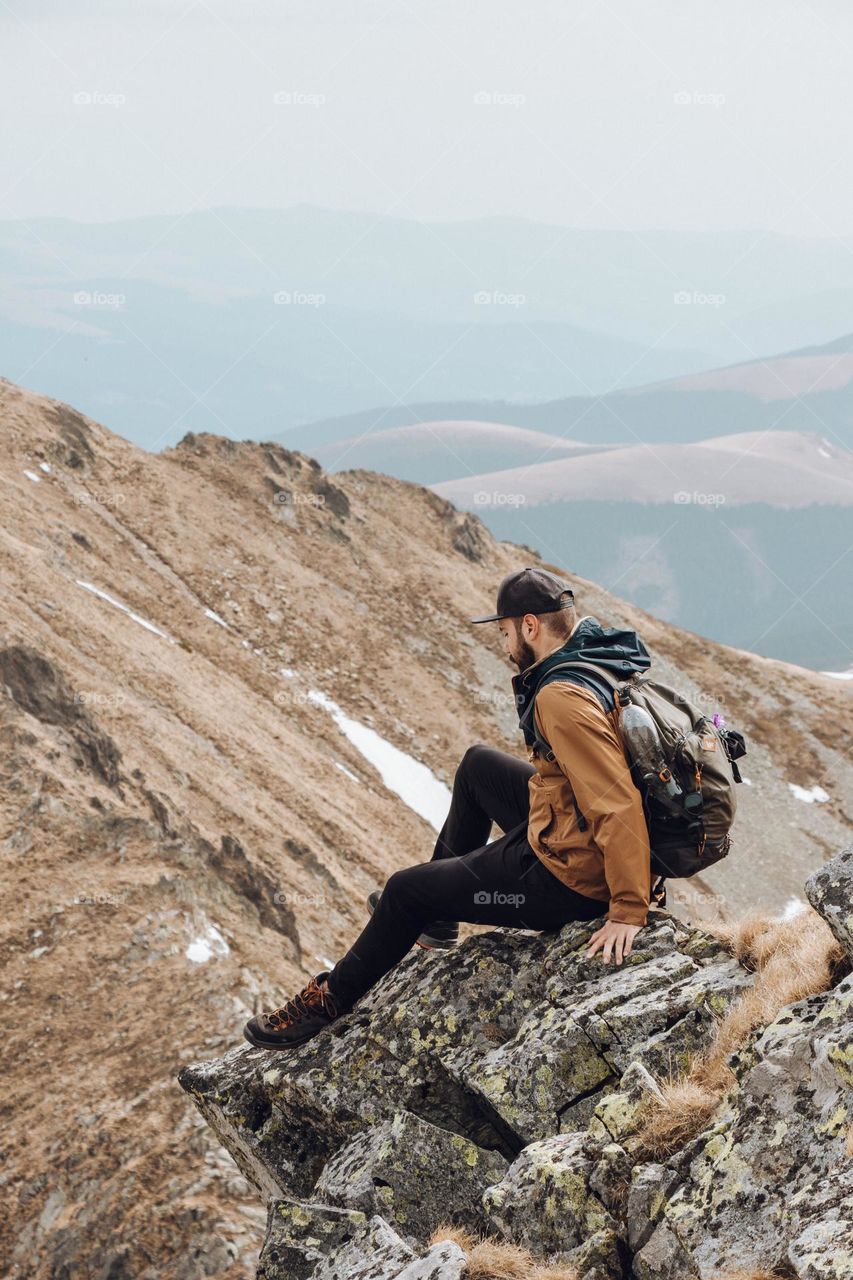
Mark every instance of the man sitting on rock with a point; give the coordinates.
(575, 842)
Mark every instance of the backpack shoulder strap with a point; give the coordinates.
(599, 680)
(541, 744)
(612, 679)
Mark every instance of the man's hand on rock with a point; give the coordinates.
(613, 938)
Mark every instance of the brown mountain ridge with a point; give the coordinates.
(186, 829)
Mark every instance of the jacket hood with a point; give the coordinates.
(620, 651)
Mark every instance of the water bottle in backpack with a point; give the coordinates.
(645, 749)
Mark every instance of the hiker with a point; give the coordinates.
(575, 843)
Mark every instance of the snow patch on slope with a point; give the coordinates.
(117, 604)
(412, 781)
(210, 943)
(808, 794)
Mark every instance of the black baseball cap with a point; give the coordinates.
(530, 591)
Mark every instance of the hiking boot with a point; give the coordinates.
(441, 935)
(297, 1020)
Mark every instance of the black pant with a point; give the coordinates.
(501, 883)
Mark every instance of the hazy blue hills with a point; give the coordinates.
(773, 581)
(745, 538)
(170, 323)
(806, 390)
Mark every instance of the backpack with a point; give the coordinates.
(691, 832)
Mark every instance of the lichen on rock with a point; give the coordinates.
(499, 1087)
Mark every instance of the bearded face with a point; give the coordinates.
(518, 649)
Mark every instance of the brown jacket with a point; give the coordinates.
(611, 859)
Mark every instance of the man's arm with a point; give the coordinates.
(590, 754)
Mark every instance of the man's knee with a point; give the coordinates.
(473, 760)
(403, 886)
(416, 893)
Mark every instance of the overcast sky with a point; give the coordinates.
(597, 113)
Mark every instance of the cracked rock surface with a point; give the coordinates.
(459, 1089)
(497, 1088)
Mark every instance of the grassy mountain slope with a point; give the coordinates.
(186, 833)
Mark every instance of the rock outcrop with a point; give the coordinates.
(497, 1088)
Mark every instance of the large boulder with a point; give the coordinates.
(501, 1087)
(412, 1173)
(549, 1203)
(409, 1108)
(763, 1185)
(322, 1243)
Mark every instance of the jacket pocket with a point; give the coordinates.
(544, 827)
(554, 827)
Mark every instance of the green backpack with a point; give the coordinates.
(690, 831)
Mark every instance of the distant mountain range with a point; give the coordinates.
(784, 469)
(742, 534)
(434, 451)
(745, 538)
(250, 322)
(807, 390)
(568, 385)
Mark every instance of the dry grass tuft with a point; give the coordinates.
(792, 959)
(848, 1144)
(490, 1259)
(683, 1108)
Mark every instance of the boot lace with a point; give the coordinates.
(311, 997)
